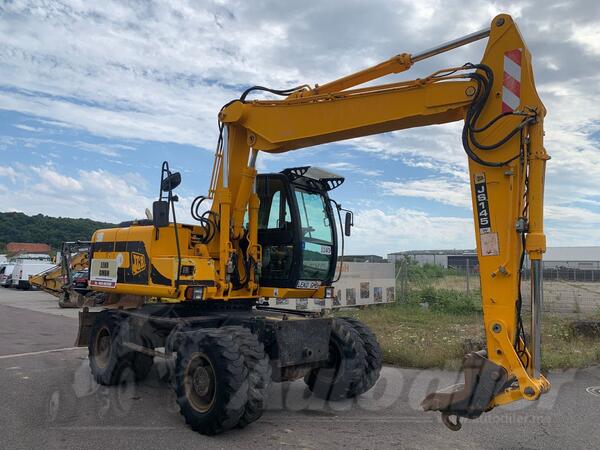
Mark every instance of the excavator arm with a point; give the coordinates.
(503, 139)
(73, 258)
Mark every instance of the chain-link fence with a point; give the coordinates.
(567, 291)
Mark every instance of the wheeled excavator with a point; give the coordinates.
(199, 287)
(58, 280)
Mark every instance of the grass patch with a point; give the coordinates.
(445, 301)
(561, 350)
(437, 336)
(411, 336)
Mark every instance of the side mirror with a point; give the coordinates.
(348, 223)
(171, 182)
(160, 213)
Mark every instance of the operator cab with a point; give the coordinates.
(296, 227)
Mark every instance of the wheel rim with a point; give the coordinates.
(102, 347)
(200, 382)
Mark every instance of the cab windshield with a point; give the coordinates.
(316, 235)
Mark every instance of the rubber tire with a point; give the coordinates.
(259, 373)
(346, 379)
(373, 350)
(230, 371)
(119, 358)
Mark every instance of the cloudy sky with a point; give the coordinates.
(95, 95)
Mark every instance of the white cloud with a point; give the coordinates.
(442, 190)
(52, 180)
(9, 173)
(571, 214)
(380, 232)
(95, 194)
(354, 168)
(24, 127)
(588, 36)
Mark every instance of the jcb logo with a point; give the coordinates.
(138, 263)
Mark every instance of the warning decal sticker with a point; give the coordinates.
(489, 244)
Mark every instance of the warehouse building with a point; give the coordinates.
(580, 258)
(364, 258)
(445, 258)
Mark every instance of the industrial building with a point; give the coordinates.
(581, 258)
(445, 258)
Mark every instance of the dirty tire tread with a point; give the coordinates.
(259, 373)
(232, 385)
(373, 350)
(347, 383)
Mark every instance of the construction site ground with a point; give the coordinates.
(50, 401)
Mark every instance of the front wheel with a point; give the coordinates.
(342, 376)
(211, 381)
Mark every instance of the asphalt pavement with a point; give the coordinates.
(48, 400)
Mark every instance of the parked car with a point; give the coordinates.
(26, 267)
(80, 280)
(6, 271)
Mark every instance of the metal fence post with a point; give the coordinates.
(399, 274)
(467, 259)
(405, 276)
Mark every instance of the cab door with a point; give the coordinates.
(277, 232)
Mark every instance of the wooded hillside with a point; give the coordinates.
(19, 227)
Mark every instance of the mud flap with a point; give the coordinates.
(86, 320)
(483, 381)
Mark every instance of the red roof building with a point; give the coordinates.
(27, 247)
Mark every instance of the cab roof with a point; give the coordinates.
(315, 177)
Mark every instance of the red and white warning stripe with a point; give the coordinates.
(511, 86)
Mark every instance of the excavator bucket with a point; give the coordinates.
(483, 381)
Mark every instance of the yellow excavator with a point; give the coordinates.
(197, 289)
(58, 280)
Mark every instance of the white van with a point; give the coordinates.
(26, 267)
(6, 271)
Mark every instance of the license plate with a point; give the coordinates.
(308, 284)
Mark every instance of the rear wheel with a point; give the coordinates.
(342, 376)
(108, 358)
(211, 381)
(373, 354)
